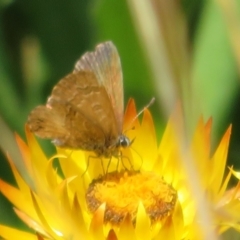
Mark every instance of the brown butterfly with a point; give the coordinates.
(85, 109)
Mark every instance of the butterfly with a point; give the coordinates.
(85, 108)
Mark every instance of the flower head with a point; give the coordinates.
(143, 194)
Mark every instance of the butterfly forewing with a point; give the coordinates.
(106, 65)
(85, 108)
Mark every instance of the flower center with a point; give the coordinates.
(122, 192)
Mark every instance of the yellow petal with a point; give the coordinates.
(15, 234)
(219, 162)
(142, 223)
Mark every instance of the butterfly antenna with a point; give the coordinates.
(145, 107)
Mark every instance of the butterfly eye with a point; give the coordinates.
(124, 141)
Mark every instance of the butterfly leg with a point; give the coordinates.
(108, 165)
(104, 173)
(121, 157)
(88, 163)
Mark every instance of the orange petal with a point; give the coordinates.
(130, 114)
(96, 226)
(17, 198)
(30, 222)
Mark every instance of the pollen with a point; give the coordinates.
(123, 191)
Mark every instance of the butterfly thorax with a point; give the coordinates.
(114, 149)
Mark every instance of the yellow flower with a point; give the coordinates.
(145, 194)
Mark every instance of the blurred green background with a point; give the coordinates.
(185, 51)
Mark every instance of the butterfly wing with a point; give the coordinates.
(105, 63)
(65, 125)
(83, 91)
(78, 114)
